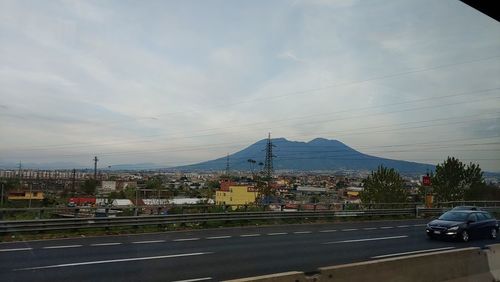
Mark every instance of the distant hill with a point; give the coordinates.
(316, 155)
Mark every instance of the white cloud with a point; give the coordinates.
(115, 77)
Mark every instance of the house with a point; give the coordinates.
(236, 195)
(25, 195)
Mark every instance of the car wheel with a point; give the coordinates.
(493, 233)
(464, 236)
(430, 236)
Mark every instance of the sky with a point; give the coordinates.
(178, 82)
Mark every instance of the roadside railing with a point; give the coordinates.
(130, 221)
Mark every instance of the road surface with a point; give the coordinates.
(215, 254)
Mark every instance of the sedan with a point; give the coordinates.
(463, 225)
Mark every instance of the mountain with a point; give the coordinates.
(316, 155)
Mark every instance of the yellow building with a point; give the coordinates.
(26, 195)
(236, 195)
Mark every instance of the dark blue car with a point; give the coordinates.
(463, 225)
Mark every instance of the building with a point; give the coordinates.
(25, 195)
(236, 195)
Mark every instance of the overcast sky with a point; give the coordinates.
(177, 82)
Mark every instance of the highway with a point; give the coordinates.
(215, 254)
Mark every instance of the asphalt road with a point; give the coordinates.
(215, 254)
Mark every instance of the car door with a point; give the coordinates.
(483, 224)
(473, 225)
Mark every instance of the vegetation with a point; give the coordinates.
(454, 181)
(89, 187)
(384, 186)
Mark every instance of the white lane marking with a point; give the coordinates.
(302, 232)
(367, 239)
(249, 235)
(218, 237)
(370, 228)
(195, 279)
(349, 229)
(149, 242)
(16, 249)
(186, 239)
(105, 244)
(386, 227)
(61, 247)
(328, 231)
(403, 226)
(414, 252)
(277, 233)
(111, 261)
(419, 225)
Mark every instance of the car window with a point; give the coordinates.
(454, 216)
(487, 215)
(472, 217)
(481, 216)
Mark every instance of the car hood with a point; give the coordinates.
(444, 223)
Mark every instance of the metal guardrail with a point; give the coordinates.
(40, 225)
(130, 221)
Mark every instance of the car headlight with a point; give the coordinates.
(454, 228)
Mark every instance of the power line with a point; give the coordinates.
(64, 146)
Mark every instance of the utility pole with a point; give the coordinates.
(95, 167)
(227, 165)
(1, 199)
(73, 181)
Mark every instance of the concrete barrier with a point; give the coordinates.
(469, 264)
(493, 254)
(292, 276)
(462, 265)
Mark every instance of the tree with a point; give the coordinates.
(384, 186)
(89, 187)
(453, 181)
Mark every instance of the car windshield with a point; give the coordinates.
(454, 216)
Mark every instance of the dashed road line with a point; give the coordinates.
(370, 228)
(218, 237)
(386, 227)
(62, 247)
(417, 225)
(328, 231)
(403, 226)
(105, 244)
(111, 261)
(195, 279)
(302, 232)
(186, 239)
(16, 249)
(250, 235)
(149, 242)
(366, 239)
(349, 229)
(277, 233)
(413, 252)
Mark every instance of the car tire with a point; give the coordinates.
(430, 236)
(464, 236)
(493, 233)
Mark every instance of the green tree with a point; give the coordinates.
(89, 187)
(384, 186)
(454, 181)
(130, 192)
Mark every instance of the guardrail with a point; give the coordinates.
(130, 221)
(12, 226)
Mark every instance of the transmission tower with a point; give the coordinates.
(227, 165)
(268, 164)
(95, 167)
